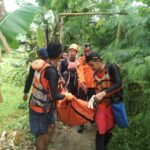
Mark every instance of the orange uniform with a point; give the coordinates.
(85, 73)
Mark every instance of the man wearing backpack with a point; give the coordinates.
(108, 90)
(44, 95)
(68, 70)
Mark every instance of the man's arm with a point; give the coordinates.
(28, 83)
(29, 80)
(114, 72)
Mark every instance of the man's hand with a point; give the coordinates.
(25, 96)
(100, 96)
(83, 87)
(69, 96)
(91, 102)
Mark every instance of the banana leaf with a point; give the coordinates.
(17, 22)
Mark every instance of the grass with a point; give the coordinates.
(12, 101)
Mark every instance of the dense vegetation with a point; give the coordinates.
(121, 39)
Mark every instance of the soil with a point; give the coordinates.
(67, 138)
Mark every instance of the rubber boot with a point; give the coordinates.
(81, 128)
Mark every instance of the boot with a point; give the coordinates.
(81, 128)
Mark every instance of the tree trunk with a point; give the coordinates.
(2, 9)
(118, 35)
(46, 34)
(1, 98)
(0, 55)
(3, 39)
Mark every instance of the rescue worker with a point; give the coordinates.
(108, 90)
(86, 78)
(68, 70)
(43, 97)
(42, 54)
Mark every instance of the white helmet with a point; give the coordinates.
(74, 46)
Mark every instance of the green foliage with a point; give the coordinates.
(128, 47)
(13, 71)
(17, 22)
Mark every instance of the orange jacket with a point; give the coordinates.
(85, 73)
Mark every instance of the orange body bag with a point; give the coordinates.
(75, 112)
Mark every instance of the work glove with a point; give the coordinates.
(69, 96)
(91, 102)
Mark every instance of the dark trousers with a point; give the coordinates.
(72, 87)
(86, 96)
(102, 140)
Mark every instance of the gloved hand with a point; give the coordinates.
(91, 102)
(69, 96)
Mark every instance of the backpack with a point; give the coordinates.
(119, 109)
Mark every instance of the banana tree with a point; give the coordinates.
(17, 22)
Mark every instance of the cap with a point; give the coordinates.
(93, 56)
(43, 53)
(87, 45)
(74, 46)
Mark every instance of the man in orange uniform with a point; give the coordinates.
(86, 78)
(108, 91)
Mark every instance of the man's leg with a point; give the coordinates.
(51, 129)
(100, 141)
(51, 125)
(107, 137)
(41, 142)
(82, 95)
(39, 126)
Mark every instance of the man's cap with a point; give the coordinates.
(54, 49)
(93, 56)
(43, 53)
(74, 46)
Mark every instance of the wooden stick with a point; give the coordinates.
(61, 28)
(92, 13)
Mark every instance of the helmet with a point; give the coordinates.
(74, 46)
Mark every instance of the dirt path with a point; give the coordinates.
(67, 138)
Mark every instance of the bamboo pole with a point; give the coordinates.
(62, 15)
(92, 13)
(61, 28)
